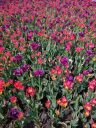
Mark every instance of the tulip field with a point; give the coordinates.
(47, 63)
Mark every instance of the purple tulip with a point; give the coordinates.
(85, 72)
(81, 34)
(17, 58)
(17, 72)
(90, 70)
(14, 112)
(64, 61)
(87, 60)
(38, 72)
(25, 67)
(70, 78)
(89, 53)
(35, 46)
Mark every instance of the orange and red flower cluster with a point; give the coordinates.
(88, 107)
(63, 102)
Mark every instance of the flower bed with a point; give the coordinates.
(48, 64)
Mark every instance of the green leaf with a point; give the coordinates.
(1, 116)
(53, 102)
(48, 47)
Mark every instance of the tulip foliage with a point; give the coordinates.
(48, 63)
